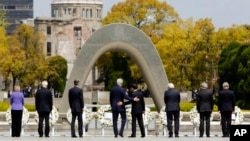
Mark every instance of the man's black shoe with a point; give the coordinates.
(177, 136)
(74, 136)
(47, 136)
(121, 135)
(143, 136)
(80, 136)
(170, 136)
(131, 136)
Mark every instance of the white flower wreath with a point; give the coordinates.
(163, 116)
(53, 117)
(195, 116)
(100, 115)
(87, 116)
(25, 117)
(148, 116)
(237, 116)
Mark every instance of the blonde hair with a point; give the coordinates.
(17, 88)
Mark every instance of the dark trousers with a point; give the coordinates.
(115, 115)
(43, 116)
(16, 122)
(80, 123)
(139, 118)
(205, 117)
(226, 122)
(173, 116)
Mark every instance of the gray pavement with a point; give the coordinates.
(61, 136)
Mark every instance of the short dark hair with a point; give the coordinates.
(134, 86)
(76, 82)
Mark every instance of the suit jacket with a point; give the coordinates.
(43, 100)
(205, 100)
(76, 102)
(117, 94)
(226, 100)
(17, 100)
(139, 106)
(172, 100)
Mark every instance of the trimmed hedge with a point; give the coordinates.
(5, 105)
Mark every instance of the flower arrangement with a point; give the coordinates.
(237, 116)
(102, 114)
(163, 116)
(195, 116)
(53, 117)
(25, 117)
(86, 115)
(147, 116)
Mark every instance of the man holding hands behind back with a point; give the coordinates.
(43, 102)
(172, 101)
(76, 104)
(205, 108)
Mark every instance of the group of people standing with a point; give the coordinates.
(204, 104)
(43, 104)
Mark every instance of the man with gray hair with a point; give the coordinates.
(226, 103)
(205, 107)
(43, 102)
(172, 101)
(117, 96)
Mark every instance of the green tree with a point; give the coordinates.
(3, 22)
(57, 73)
(234, 67)
(117, 68)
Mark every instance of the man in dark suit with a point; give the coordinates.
(226, 103)
(172, 101)
(137, 110)
(117, 96)
(205, 107)
(43, 102)
(76, 104)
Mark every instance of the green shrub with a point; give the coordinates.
(186, 106)
(30, 108)
(5, 105)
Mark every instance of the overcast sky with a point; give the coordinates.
(224, 13)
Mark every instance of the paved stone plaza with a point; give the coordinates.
(66, 136)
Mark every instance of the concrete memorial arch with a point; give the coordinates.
(123, 38)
